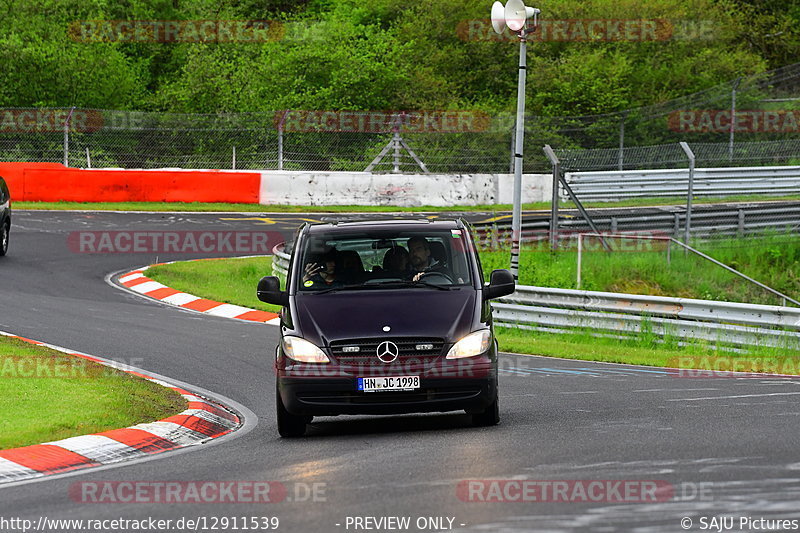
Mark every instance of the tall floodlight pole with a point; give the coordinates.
(522, 21)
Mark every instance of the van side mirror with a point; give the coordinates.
(501, 284)
(269, 291)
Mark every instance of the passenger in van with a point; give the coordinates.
(395, 261)
(322, 271)
(421, 259)
(350, 267)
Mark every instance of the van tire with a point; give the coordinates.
(488, 417)
(289, 425)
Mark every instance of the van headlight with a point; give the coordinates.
(473, 344)
(303, 351)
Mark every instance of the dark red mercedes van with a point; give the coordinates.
(384, 317)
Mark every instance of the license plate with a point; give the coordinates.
(388, 383)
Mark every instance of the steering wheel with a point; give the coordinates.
(427, 276)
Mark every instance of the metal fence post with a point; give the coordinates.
(551, 155)
(396, 157)
(580, 257)
(622, 140)
(233, 162)
(66, 137)
(280, 147)
(733, 116)
(88, 158)
(687, 227)
(669, 252)
(280, 139)
(513, 145)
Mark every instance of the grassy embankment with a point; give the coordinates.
(52, 396)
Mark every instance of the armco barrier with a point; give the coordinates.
(553, 309)
(53, 183)
(615, 185)
(607, 313)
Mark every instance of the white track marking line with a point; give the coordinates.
(731, 397)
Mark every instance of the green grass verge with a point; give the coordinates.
(50, 396)
(256, 208)
(232, 281)
(650, 350)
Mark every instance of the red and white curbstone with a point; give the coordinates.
(201, 421)
(139, 283)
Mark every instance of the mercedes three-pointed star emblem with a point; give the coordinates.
(387, 351)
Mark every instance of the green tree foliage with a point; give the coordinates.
(383, 54)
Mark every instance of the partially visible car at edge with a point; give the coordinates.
(5, 216)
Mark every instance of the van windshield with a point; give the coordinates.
(385, 259)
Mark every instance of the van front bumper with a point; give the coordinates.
(438, 392)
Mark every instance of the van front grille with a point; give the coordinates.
(412, 351)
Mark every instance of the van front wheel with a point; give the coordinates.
(289, 425)
(489, 417)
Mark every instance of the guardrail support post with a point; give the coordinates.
(740, 226)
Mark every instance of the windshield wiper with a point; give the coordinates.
(408, 283)
(341, 288)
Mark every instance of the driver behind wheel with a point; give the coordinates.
(422, 262)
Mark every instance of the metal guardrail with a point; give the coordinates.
(610, 186)
(558, 310)
(670, 220)
(280, 261)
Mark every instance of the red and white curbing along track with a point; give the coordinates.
(201, 421)
(138, 282)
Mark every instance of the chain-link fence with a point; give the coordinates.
(766, 130)
(445, 142)
(692, 178)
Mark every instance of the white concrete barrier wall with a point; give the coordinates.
(402, 190)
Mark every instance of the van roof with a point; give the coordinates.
(400, 224)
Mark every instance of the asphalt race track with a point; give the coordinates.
(721, 446)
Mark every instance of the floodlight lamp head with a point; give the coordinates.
(498, 17)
